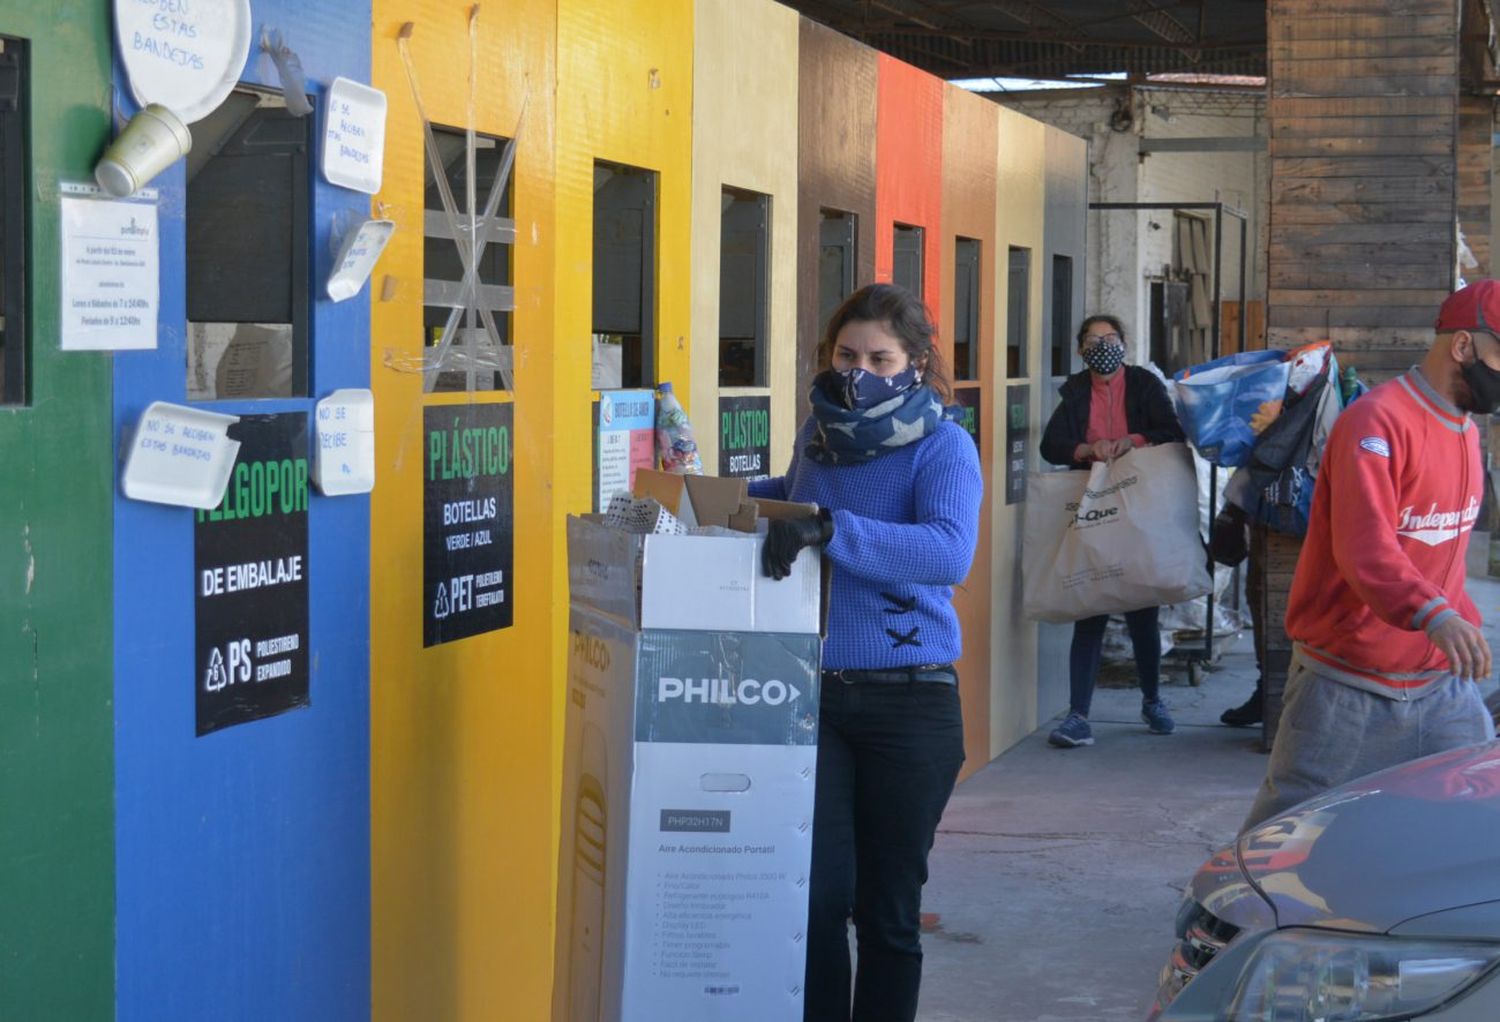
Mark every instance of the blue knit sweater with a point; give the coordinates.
(904, 530)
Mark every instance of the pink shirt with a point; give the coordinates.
(1107, 410)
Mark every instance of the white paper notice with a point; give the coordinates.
(111, 255)
(344, 459)
(354, 136)
(180, 455)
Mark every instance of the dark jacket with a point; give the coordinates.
(1148, 411)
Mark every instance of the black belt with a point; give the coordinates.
(943, 674)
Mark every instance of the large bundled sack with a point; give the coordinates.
(1225, 403)
(1276, 486)
(1121, 536)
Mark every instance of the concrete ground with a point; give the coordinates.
(1057, 873)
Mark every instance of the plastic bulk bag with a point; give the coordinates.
(1122, 536)
(1218, 400)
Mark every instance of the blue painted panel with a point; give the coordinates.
(243, 857)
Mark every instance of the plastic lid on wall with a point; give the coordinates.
(184, 54)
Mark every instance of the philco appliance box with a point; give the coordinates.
(689, 757)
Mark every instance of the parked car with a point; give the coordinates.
(1379, 900)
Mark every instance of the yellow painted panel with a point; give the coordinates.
(624, 94)
(463, 782)
(745, 136)
(1021, 181)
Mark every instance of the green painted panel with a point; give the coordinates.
(56, 484)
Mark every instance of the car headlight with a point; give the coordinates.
(1301, 975)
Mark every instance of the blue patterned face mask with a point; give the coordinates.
(858, 389)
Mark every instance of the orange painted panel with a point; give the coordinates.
(909, 167)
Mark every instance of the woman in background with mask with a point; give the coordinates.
(1108, 409)
(899, 489)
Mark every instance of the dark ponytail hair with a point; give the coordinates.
(907, 318)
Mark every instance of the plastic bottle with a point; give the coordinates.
(1348, 384)
(675, 444)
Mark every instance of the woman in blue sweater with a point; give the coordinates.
(899, 487)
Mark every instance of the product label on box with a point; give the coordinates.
(721, 826)
(728, 688)
(720, 881)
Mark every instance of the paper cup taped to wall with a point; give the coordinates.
(154, 139)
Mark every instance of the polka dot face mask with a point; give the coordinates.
(1104, 357)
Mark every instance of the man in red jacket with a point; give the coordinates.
(1387, 641)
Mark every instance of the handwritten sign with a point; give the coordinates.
(344, 459)
(184, 54)
(180, 455)
(354, 136)
(357, 257)
(111, 263)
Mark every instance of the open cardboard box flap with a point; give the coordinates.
(713, 500)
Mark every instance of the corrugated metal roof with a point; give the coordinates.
(1053, 38)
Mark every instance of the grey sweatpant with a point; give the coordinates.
(1331, 733)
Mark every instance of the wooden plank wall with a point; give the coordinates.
(1364, 120)
(836, 92)
(1363, 115)
(1476, 116)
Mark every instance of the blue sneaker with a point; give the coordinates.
(1071, 733)
(1158, 720)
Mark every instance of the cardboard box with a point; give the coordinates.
(689, 771)
(709, 583)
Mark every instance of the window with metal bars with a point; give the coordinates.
(473, 350)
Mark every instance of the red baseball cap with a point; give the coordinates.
(1476, 307)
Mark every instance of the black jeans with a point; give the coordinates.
(1088, 649)
(888, 756)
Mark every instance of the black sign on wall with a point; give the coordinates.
(967, 399)
(468, 548)
(745, 436)
(1017, 436)
(250, 579)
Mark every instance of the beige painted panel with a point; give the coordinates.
(745, 66)
(1021, 200)
(970, 137)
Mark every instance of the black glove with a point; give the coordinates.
(787, 536)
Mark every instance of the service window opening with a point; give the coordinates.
(472, 349)
(838, 233)
(14, 171)
(624, 335)
(966, 309)
(248, 193)
(1017, 313)
(1062, 315)
(744, 287)
(906, 261)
